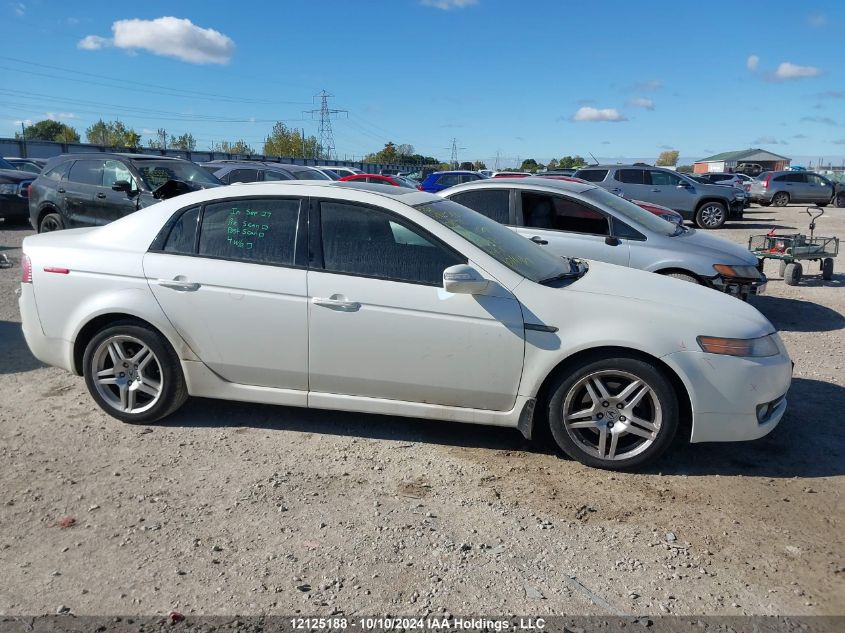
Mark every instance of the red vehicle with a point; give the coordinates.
(378, 179)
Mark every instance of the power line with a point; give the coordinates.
(326, 137)
(454, 160)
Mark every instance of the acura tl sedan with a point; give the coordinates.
(386, 300)
(578, 219)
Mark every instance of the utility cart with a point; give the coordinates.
(791, 250)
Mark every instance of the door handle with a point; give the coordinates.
(178, 284)
(61, 190)
(336, 303)
(656, 190)
(616, 190)
(101, 196)
(539, 240)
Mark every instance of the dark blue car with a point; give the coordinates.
(440, 180)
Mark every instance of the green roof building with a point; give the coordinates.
(730, 161)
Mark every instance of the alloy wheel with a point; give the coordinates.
(127, 374)
(49, 224)
(612, 414)
(712, 216)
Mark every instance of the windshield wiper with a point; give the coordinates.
(575, 272)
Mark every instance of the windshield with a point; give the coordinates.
(511, 249)
(4, 164)
(632, 213)
(404, 182)
(155, 173)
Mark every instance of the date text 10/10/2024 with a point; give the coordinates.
(422, 624)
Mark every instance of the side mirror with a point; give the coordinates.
(684, 185)
(121, 185)
(463, 279)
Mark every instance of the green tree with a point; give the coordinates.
(387, 154)
(571, 162)
(113, 134)
(529, 164)
(552, 164)
(185, 142)
(669, 158)
(685, 169)
(49, 130)
(233, 147)
(285, 141)
(479, 164)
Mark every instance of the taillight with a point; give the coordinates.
(766, 180)
(26, 269)
(420, 187)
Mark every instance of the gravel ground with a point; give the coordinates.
(237, 508)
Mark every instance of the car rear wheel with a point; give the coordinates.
(613, 412)
(133, 373)
(780, 199)
(840, 200)
(711, 215)
(51, 222)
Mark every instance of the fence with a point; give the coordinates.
(18, 148)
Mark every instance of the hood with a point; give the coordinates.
(676, 300)
(723, 251)
(13, 175)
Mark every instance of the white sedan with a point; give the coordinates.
(385, 300)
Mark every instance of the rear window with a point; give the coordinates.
(592, 175)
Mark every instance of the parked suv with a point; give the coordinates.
(231, 172)
(779, 188)
(14, 191)
(78, 190)
(708, 205)
(440, 180)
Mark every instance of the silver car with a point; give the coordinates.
(779, 188)
(574, 219)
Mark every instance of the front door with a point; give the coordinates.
(382, 326)
(234, 292)
(666, 189)
(569, 228)
(819, 190)
(112, 205)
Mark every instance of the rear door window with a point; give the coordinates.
(276, 175)
(592, 175)
(631, 176)
(447, 180)
(494, 203)
(258, 231)
(243, 175)
(87, 172)
(562, 214)
(795, 178)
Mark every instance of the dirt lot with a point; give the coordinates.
(235, 508)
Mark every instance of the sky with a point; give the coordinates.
(545, 79)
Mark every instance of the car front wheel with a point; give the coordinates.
(613, 412)
(133, 373)
(711, 215)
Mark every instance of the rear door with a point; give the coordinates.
(630, 183)
(84, 181)
(569, 228)
(796, 186)
(229, 279)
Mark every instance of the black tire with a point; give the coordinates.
(792, 274)
(839, 201)
(822, 204)
(569, 391)
(683, 277)
(711, 215)
(51, 222)
(782, 268)
(780, 199)
(827, 268)
(764, 204)
(166, 371)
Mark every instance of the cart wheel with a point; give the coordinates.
(827, 268)
(782, 268)
(792, 274)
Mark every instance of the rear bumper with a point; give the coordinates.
(13, 207)
(50, 351)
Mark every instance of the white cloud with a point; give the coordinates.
(598, 114)
(817, 20)
(448, 5)
(652, 85)
(20, 9)
(57, 116)
(169, 37)
(26, 122)
(768, 140)
(93, 43)
(788, 70)
(642, 102)
(752, 62)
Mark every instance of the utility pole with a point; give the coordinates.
(326, 136)
(496, 167)
(23, 136)
(454, 159)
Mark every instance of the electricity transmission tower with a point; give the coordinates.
(454, 160)
(325, 134)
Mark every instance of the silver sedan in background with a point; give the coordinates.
(574, 219)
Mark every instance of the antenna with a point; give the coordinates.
(325, 134)
(595, 160)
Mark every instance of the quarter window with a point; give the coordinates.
(183, 234)
(562, 214)
(494, 203)
(363, 241)
(260, 231)
(59, 171)
(87, 172)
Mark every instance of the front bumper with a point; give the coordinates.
(741, 288)
(13, 207)
(726, 391)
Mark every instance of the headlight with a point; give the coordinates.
(746, 347)
(9, 188)
(745, 272)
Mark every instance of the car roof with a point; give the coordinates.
(405, 195)
(453, 171)
(126, 155)
(526, 183)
